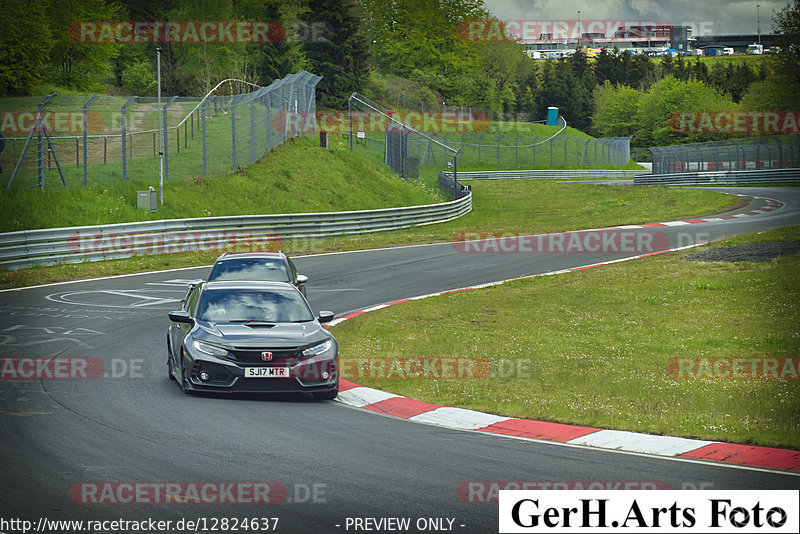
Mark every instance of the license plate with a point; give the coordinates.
(266, 372)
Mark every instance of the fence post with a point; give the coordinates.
(86, 140)
(269, 120)
(165, 138)
(204, 133)
(233, 136)
(39, 150)
(350, 119)
(124, 111)
(252, 131)
(455, 176)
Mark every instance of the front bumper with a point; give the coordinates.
(305, 375)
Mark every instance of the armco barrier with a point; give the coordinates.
(113, 241)
(721, 177)
(547, 174)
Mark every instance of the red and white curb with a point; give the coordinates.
(771, 205)
(463, 419)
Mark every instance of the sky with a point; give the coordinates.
(706, 17)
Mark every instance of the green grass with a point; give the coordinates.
(752, 60)
(297, 177)
(523, 206)
(591, 347)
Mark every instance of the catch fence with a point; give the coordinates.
(71, 140)
(478, 143)
(752, 153)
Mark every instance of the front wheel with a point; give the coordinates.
(326, 395)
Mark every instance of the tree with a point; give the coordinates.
(75, 64)
(274, 60)
(420, 39)
(672, 95)
(563, 84)
(787, 22)
(770, 95)
(340, 54)
(199, 66)
(501, 65)
(613, 110)
(607, 66)
(25, 41)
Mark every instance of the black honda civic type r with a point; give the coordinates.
(251, 337)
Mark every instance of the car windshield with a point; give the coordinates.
(250, 269)
(252, 305)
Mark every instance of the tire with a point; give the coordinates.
(326, 395)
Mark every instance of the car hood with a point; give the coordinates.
(280, 335)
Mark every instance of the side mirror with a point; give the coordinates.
(325, 316)
(180, 317)
(301, 279)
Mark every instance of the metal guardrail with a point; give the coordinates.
(721, 177)
(547, 174)
(114, 241)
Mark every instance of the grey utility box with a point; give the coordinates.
(147, 200)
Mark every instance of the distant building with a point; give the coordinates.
(653, 40)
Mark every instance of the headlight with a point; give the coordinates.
(213, 350)
(316, 350)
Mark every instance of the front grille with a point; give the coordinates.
(280, 357)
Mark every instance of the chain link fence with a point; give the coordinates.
(70, 140)
(752, 153)
(406, 149)
(530, 152)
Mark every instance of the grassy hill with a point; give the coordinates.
(297, 177)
